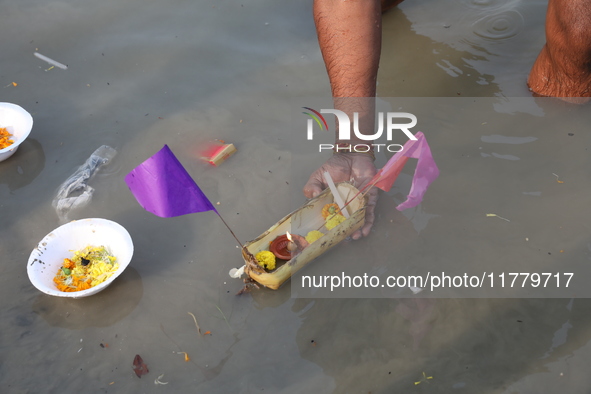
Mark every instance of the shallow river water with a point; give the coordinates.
(142, 74)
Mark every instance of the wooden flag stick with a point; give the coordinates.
(252, 261)
(235, 237)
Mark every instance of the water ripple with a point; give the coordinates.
(499, 26)
(488, 4)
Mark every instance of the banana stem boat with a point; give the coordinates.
(301, 221)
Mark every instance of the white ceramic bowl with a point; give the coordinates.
(47, 258)
(18, 122)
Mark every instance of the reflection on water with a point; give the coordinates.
(27, 164)
(102, 310)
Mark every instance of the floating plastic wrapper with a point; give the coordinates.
(65, 201)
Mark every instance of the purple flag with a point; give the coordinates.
(162, 186)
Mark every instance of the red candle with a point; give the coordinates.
(291, 246)
(300, 242)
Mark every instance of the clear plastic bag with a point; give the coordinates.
(75, 193)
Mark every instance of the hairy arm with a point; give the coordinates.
(349, 36)
(350, 39)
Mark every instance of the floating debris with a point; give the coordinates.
(216, 153)
(425, 378)
(495, 215)
(237, 272)
(224, 316)
(196, 325)
(139, 367)
(158, 381)
(75, 193)
(415, 290)
(51, 61)
(557, 178)
(186, 356)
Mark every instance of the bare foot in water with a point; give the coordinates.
(563, 67)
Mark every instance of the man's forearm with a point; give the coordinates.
(349, 35)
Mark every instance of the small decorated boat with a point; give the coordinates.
(308, 218)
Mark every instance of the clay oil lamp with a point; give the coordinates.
(287, 245)
(279, 247)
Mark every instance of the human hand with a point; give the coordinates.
(343, 167)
